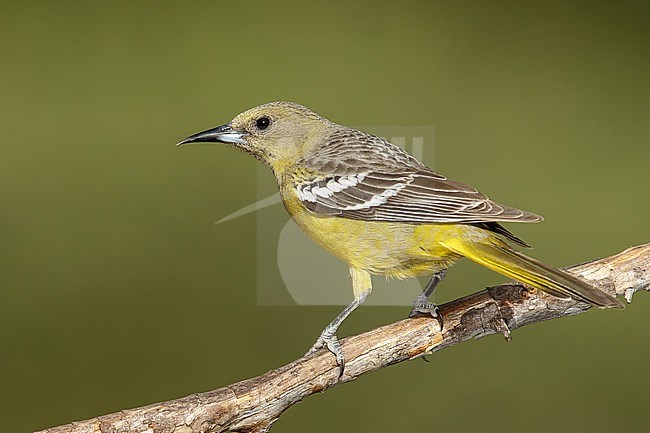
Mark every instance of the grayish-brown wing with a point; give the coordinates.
(366, 178)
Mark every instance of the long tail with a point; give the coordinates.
(498, 256)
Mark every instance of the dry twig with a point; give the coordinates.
(254, 404)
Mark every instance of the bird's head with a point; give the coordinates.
(277, 133)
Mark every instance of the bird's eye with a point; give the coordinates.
(262, 123)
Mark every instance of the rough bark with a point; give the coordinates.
(254, 404)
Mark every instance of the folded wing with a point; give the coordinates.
(410, 195)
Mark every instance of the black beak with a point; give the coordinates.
(220, 134)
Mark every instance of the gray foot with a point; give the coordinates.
(421, 305)
(328, 336)
(328, 339)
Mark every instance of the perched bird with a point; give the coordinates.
(382, 211)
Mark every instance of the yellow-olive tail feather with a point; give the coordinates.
(496, 255)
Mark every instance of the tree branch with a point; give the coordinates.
(253, 405)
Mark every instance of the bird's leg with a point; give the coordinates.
(422, 305)
(328, 336)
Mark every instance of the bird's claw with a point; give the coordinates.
(329, 340)
(427, 308)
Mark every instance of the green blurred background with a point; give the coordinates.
(117, 289)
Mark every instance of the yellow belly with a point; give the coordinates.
(393, 249)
